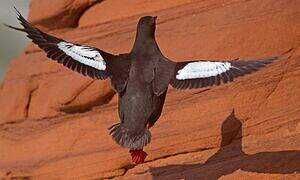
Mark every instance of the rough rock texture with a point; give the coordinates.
(53, 122)
(58, 13)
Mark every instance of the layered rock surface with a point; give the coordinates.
(53, 122)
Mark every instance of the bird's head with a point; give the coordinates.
(146, 25)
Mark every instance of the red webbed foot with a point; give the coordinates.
(138, 156)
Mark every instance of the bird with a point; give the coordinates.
(140, 77)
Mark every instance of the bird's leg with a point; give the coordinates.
(138, 156)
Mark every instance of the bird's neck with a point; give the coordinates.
(144, 42)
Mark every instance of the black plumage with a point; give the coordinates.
(140, 77)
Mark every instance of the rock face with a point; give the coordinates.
(53, 122)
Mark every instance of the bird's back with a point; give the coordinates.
(138, 103)
(139, 92)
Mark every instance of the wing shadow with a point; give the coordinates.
(231, 157)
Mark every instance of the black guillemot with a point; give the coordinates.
(140, 77)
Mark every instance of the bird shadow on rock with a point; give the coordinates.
(231, 157)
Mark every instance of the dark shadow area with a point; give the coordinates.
(230, 157)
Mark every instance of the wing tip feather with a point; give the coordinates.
(15, 28)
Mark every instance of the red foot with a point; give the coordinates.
(138, 156)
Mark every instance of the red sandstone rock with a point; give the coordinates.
(103, 12)
(46, 13)
(63, 134)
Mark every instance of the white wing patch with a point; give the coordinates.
(202, 69)
(83, 54)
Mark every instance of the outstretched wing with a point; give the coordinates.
(203, 73)
(86, 60)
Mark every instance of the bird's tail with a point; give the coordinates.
(125, 138)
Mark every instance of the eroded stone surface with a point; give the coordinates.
(46, 14)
